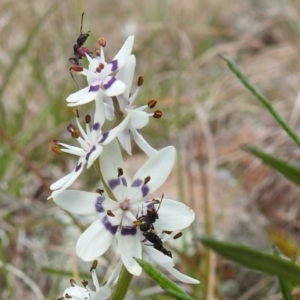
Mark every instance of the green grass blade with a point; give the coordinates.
(263, 100)
(255, 259)
(163, 281)
(285, 168)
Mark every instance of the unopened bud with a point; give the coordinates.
(157, 114)
(151, 103)
(102, 42)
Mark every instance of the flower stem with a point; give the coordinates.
(118, 112)
(122, 285)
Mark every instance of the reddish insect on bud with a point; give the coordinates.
(102, 42)
(152, 103)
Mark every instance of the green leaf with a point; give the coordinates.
(282, 166)
(255, 259)
(263, 100)
(163, 281)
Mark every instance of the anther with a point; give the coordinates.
(85, 283)
(99, 191)
(100, 67)
(167, 232)
(157, 114)
(151, 103)
(120, 172)
(177, 236)
(56, 149)
(155, 201)
(72, 281)
(94, 265)
(102, 42)
(97, 51)
(75, 134)
(147, 179)
(110, 213)
(62, 298)
(77, 68)
(75, 113)
(137, 223)
(68, 296)
(71, 128)
(87, 119)
(140, 81)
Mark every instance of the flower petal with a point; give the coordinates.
(141, 142)
(130, 248)
(94, 241)
(77, 96)
(93, 154)
(113, 86)
(102, 294)
(158, 257)
(113, 278)
(138, 118)
(125, 141)
(182, 277)
(174, 215)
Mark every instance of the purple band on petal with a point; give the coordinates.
(109, 83)
(124, 181)
(137, 183)
(94, 88)
(99, 207)
(145, 190)
(78, 167)
(128, 230)
(111, 228)
(114, 65)
(104, 137)
(96, 126)
(114, 183)
(89, 154)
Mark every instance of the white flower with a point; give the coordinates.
(86, 293)
(132, 199)
(91, 145)
(138, 117)
(99, 77)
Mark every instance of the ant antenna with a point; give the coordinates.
(162, 197)
(81, 23)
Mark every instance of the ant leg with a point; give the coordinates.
(70, 70)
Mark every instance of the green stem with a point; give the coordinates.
(263, 100)
(118, 112)
(122, 285)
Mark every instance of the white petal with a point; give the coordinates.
(103, 293)
(174, 215)
(158, 167)
(138, 118)
(94, 155)
(113, 278)
(125, 141)
(126, 74)
(158, 257)
(130, 248)
(124, 52)
(113, 86)
(77, 96)
(99, 115)
(88, 97)
(77, 292)
(77, 202)
(109, 112)
(141, 142)
(182, 277)
(94, 241)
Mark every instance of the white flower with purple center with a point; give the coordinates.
(138, 117)
(133, 198)
(99, 75)
(91, 144)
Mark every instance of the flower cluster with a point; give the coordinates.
(124, 208)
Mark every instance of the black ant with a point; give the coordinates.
(157, 243)
(146, 221)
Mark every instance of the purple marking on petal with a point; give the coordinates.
(124, 181)
(111, 228)
(150, 206)
(78, 167)
(114, 183)
(137, 183)
(96, 126)
(145, 190)
(90, 152)
(104, 137)
(128, 230)
(109, 83)
(99, 207)
(94, 88)
(114, 65)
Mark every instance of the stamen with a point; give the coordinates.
(167, 232)
(157, 114)
(99, 191)
(100, 67)
(85, 283)
(77, 68)
(68, 296)
(147, 179)
(71, 128)
(97, 51)
(94, 265)
(102, 42)
(110, 213)
(72, 281)
(140, 81)
(152, 103)
(74, 133)
(120, 172)
(56, 149)
(75, 113)
(177, 236)
(87, 119)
